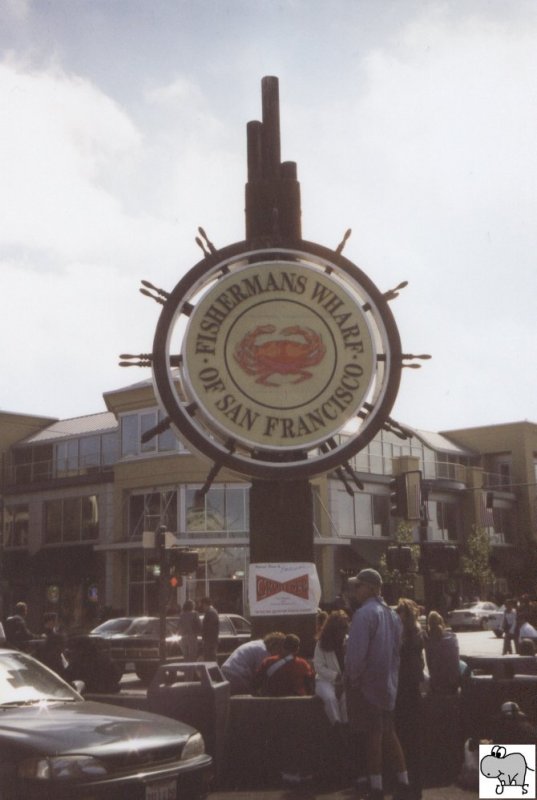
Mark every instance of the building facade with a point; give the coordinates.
(80, 496)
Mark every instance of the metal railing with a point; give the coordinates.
(38, 471)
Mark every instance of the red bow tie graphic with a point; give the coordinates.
(266, 587)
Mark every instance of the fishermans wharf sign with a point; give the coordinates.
(278, 355)
(262, 357)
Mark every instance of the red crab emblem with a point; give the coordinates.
(279, 356)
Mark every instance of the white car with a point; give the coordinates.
(472, 616)
(495, 622)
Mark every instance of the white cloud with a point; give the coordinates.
(58, 138)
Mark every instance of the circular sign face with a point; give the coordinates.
(278, 355)
(262, 356)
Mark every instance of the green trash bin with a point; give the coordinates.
(195, 693)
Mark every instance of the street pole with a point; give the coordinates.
(281, 511)
(160, 545)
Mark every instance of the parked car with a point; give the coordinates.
(495, 622)
(137, 648)
(54, 744)
(472, 616)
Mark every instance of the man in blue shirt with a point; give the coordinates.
(371, 678)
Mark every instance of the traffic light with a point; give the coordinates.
(184, 561)
(425, 491)
(399, 558)
(398, 497)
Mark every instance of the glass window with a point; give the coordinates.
(361, 460)
(363, 515)
(61, 459)
(89, 518)
(241, 625)
(168, 510)
(444, 520)
(344, 514)
(71, 519)
(503, 525)
(110, 448)
(237, 513)
(22, 465)
(129, 435)
(226, 628)
(167, 441)
(381, 515)
(152, 511)
(451, 520)
(134, 426)
(148, 511)
(53, 521)
(223, 510)
(42, 462)
(90, 451)
(16, 524)
(136, 515)
(375, 454)
(148, 420)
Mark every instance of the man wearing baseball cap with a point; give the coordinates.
(371, 677)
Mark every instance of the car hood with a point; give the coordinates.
(87, 727)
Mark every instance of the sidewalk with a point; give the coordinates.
(311, 793)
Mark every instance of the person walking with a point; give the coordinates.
(329, 662)
(241, 666)
(190, 630)
(371, 680)
(209, 629)
(509, 627)
(408, 705)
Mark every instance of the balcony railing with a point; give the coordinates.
(39, 471)
(497, 480)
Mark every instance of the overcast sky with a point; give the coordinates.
(413, 122)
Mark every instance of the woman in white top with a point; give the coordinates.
(328, 661)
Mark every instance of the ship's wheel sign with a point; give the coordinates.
(261, 358)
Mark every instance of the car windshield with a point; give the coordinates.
(150, 626)
(117, 625)
(24, 681)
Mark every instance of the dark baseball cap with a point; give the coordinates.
(368, 576)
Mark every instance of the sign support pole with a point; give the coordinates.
(281, 511)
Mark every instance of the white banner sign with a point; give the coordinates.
(279, 589)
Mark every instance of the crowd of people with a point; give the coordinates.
(368, 668)
(372, 667)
